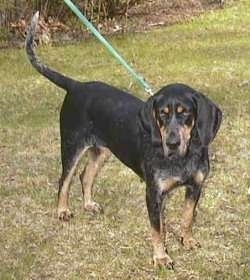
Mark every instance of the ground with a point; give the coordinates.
(211, 54)
(138, 18)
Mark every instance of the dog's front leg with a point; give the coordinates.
(191, 199)
(155, 204)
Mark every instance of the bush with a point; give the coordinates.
(97, 10)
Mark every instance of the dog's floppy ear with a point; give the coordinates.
(208, 119)
(148, 122)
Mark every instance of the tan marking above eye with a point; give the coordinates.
(180, 109)
(166, 110)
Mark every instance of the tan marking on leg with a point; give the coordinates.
(96, 161)
(63, 209)
(186, 226)
(160, 257)
(199, 177)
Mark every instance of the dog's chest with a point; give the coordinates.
(167, 184)
(169, 175)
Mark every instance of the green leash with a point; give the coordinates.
(90, 26)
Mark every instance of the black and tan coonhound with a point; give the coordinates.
(164, 140)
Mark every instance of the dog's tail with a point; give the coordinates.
(55, 77)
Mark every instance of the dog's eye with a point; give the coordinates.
(164, 114)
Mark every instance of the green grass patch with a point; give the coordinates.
(211, 53)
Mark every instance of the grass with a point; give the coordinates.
(211, 53)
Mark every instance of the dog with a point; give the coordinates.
(163, 140)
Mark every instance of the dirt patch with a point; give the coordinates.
(138, 18)
(159, 13)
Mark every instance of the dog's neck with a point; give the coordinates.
(183, 167)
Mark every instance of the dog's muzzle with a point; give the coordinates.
(173, 143)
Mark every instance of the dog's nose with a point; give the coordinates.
(173, 146)
(173, 141)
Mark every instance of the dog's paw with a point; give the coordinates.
(190, 243)
(64, 215)
(93, 207)
(163, 262)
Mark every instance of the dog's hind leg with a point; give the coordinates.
(97, 157)
(70, 158)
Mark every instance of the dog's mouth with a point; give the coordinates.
(175, 154)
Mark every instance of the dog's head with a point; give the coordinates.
(176, 114)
